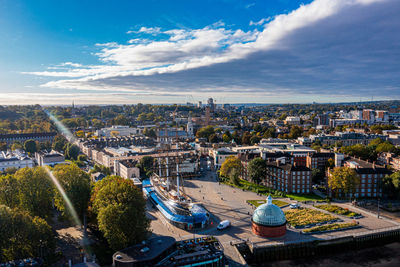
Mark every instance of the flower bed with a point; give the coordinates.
(331, 227)
(307, 217)
(257, 203)
(338, 210)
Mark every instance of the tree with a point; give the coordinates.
(21, 235)
(226, 138)
(205, 132)
(16, 146)
(76, 184)
(391, 185)
(3, 146)
(385, 147)
(231, 168)
(82, 157)
(72, 151)
(30, 146)
(146, 165)
(343, 179)
(9, 191)
(317, 175)
(213, 138)
(120, 209)
(36, 191)
(255, 139)
(246, 138)
(257, 170)
(59, 143)
(295, 131)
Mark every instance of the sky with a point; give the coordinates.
(236, 51)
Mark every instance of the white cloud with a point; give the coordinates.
(148, 30)
(211, 57)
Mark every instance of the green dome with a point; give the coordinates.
(269, 214)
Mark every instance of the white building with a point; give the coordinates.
(49, 159)
(14, 159)
(119, 131)
(292, 120)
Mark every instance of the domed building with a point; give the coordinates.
(268, 220)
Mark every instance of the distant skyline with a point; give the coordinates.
(236, 51)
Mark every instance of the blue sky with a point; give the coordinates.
(275, 51)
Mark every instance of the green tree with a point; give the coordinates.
(120, 209)
(391, 185)
(21, 236)
(231, 168)
(317, 176)
(246, 138)
(30, 146)
(226, 138)
(16, 146)
(76, 184)
(59, 143)
(257, 170)
(36, 191)
(205, 132)
(146, 165)
(385, 147)
(213, 138)
(343, 179)
(9, 191)
(72, 152)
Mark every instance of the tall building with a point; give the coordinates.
(368, 115)
(189, 127)
(211, 104)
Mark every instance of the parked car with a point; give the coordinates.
(223, 225)
(294, 206)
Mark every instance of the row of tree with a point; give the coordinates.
(28, 198)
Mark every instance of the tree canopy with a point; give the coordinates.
(257, 170)
(120, 210)
(231, 168)
(76, 184)
(21, 235)
(343, 179)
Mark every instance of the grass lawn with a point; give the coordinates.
(330, 227)
(257, 203)
(338, 210)
(305, 216)
(304, 197)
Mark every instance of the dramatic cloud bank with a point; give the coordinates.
(329, 47)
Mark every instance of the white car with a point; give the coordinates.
(223, 225)
(294, 206)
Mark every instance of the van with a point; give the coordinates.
(223, 225)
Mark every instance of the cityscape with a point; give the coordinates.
(215, 133)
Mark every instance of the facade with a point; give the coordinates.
(14, 159)
(319, 160)
(368, 115)
(268, 220)
(126, 169)
(49, 159)
(220, 155)
(292, 120)
(347, 138)
(245, 158)
(21, 138)
(322, 119)
(370, 176)
(118, 130)
(288, 178)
